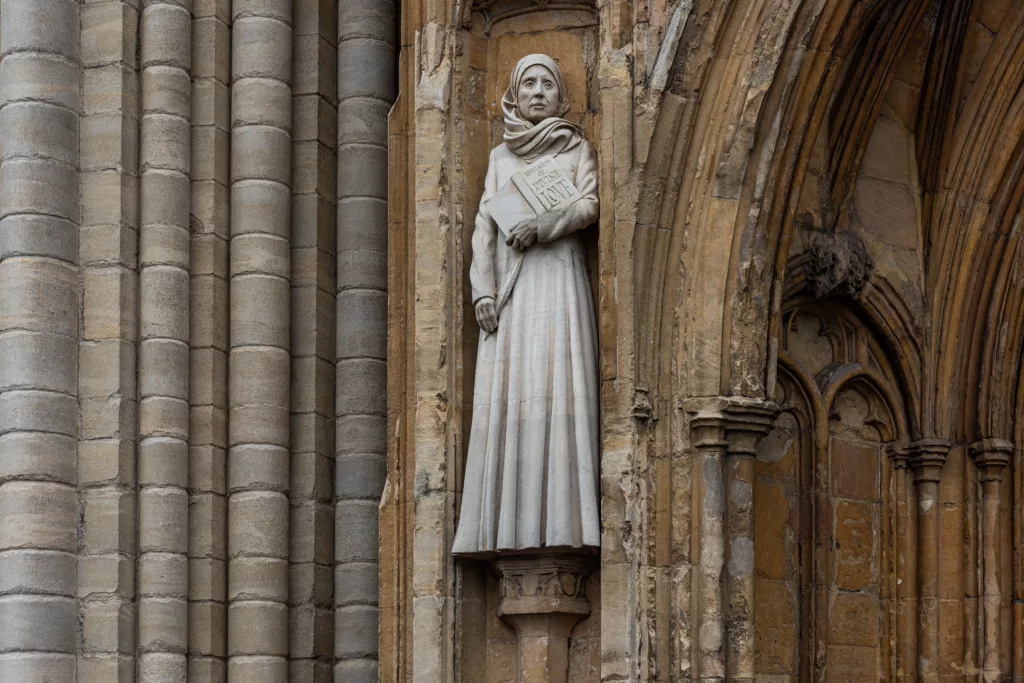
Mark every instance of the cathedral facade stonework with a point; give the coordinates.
(241, 311)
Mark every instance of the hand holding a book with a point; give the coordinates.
(524, 234)
(487, 314)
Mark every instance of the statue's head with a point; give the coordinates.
(538, 87)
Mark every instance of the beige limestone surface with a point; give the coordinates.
(237, 340)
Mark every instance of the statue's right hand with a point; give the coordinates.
(487, 314)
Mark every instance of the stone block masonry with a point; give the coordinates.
(168, 323)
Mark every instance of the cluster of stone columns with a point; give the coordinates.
(169, 509)
(725, 433)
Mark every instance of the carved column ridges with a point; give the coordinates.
(209, 341)
(926, 458)
(108, 358)
(543, 597)
(991, 456)
(725, 433)
(39, 334)
(314, 244)
(164, 257)
(366, 91)
(259, 363)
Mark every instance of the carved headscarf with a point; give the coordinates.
(552, 135)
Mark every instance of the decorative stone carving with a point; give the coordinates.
(532, 462)
(555, 583)
(839, 265)
(543, 598)
(495, 10)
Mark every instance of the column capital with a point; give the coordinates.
(732, 422)
(991, 456)
(926, 457)
(899, 453)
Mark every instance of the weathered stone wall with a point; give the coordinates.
(809, 368)
(238, 351)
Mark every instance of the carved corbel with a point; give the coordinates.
(543, 597)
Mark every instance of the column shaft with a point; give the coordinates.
(314, 245)
(928, 583)
(991, 457)
(39, 300)
(107, 379)
(208, 356)
(366, 90)
(926, 459)
(165, 146)
(739, 577)
(707, 430)
(259, 362)
(746, 423)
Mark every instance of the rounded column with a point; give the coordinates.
(259, 360)
(991, 456)
(926, 460)
(40, 82)
(164, 155)
(366, 91)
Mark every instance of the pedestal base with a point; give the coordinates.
(543, 597)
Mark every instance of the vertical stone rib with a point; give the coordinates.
(926, 459)
(108, 396)
(165, 145)
(707, 434)
(991, 456)
(314, 172)
(366, 90)
(40, 80)
(208, 383)
(747, 423)
(259, 362)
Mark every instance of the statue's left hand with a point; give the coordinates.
(524, 234)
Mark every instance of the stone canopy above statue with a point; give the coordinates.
(496, 10)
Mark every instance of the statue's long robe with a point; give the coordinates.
(533, 458)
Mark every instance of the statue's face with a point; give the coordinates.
(538, 96)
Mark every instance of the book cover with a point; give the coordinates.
(546, 185)
(543, 186)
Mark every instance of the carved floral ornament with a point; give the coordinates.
(554, 584)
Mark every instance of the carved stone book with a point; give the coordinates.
(543, 186)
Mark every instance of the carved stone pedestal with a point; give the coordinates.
(543, 597)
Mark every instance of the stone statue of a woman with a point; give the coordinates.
(532, 466)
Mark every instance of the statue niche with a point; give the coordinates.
(532, 465)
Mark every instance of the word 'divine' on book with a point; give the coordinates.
(546, 185)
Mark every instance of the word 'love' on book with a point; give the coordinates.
(541, 187)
